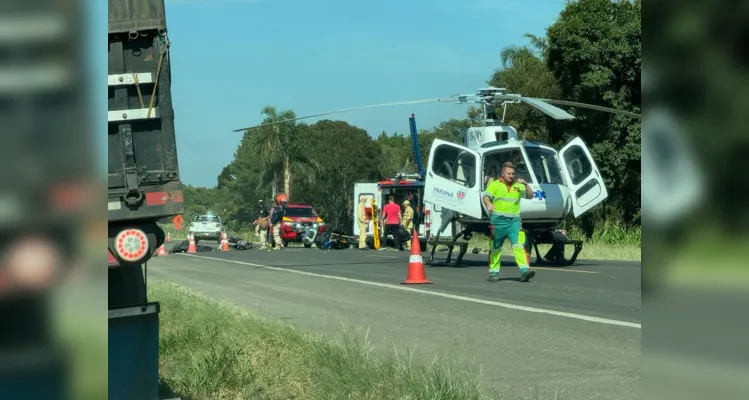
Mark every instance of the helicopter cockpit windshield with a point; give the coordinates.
(539, 167)
(493, 163)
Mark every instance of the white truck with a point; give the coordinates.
(426, 216)
(207, 226)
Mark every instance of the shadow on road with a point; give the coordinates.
(509, 262)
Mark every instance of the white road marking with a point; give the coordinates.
(434, 293)
(579, 271)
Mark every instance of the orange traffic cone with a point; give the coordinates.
(169, 237)
(224, 242)
(416, 273)
(191, 248)
(161, 251)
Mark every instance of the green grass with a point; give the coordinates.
(607, 243)
(213, 350)
(708, 257)
(591, 250)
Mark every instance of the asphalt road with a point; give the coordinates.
(571, 332)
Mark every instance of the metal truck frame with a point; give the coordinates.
(143, 187)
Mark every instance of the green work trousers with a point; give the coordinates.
(504, 228)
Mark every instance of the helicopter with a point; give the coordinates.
(564, 182)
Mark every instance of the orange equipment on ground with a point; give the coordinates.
(191, 248)
(416, 273)
(224, 241)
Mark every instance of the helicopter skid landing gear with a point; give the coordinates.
(577, 248)
(451, 244)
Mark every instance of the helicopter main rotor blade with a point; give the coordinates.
(453, 99)
(539, 104)
(592, 107)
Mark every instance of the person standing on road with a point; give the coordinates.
(276, 219)
(391, 215)
(502, 199)
(408, 222)
(361, 219)
(261, 223)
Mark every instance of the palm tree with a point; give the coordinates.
(280, 148)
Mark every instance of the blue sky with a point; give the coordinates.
(230, 58)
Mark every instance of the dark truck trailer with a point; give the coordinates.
(143, 174)
(143, 188)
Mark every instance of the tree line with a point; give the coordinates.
(591, 54)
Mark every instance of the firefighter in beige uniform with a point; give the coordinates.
(361, 219)
(276, 220)
(408, 221)
(261, 223)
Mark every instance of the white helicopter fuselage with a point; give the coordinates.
(563, 182)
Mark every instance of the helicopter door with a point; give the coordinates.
(584, 181)
(453, 181)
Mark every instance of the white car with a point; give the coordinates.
(208, 227)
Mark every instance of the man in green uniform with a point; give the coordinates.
(502, 199)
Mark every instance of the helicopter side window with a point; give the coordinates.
(545, 165)
(578, 164)
(453, 164)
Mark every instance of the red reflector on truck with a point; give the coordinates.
(156, 198)
(161, 198)
(111, 260)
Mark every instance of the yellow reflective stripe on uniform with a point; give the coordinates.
(507, 199)
(504, 214)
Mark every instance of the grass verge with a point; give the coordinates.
(213, 350)
(608, 242)
(591, 250)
